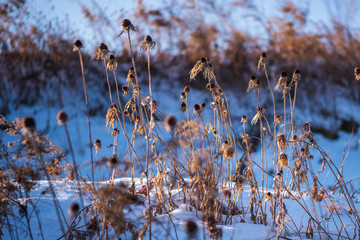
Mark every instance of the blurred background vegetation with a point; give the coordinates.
(36, 50)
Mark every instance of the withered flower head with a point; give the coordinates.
(77, 45)
(74, 209)
(281, 85)
(153, 105)
(283, 160)
(126, 26)
(182, 107)
(254, 83)
(187, 89)
(196, 109)
(170, 123)
(62, 118)
(101, 51)
(29, 124)
(296, 76)
(147, 44)
(277, 119)
(259, 113)
(244, 119)
(183, 95)
(111, 64)
(191, 228)
(202, 107)
(357, 74)
(111, 115)
(204, 65)
(112, 161)
(125, 89)
(97, 144)
(262, 62)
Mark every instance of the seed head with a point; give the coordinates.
(182, 107)
(101, 51)
(183, 95)
(62, 118)
(262, 62)
(29, 124)
(254, 83)
(281, 85)
(170, 123)
(97, 144)
(296, 76)
(357, 74)
(147, 44)
(112, 162)
(74, 209)
(202, 107)
(191, 228)
(186, 90)
(126, 26)
(77, 45)
(196, 109)
(153, 105)
(111, 64)
(244, 119)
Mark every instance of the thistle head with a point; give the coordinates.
(170, 123)
(62, 118)
(77, 45)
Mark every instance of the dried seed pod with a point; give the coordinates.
(268, 197)
(153, 105)
(283, 160)
(296, 76)
(357, 73)
(147, 44)
(196, 109)
(111, 64)
(77, 45)
(62, 117)
(186, 90)
(244, 119)
(29, 124)
(183, 107)
(74, 209)
(262, 61)
(112, 161)
(183, 95)
(228, 152)
(191, 229)
(97, 144)
(202, 107)
(309, 231)
(170, 123)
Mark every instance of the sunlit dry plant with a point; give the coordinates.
(62, 118)
(204, 65)
(170, 123)
(101, 51)
(281, 84)
(357, 73)
(77, 45)
(254, 83)
(262, 62)
(147, 44)
(126, 26)
(259, 113)
(111, 64)
(296, 76)
(112, 115)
